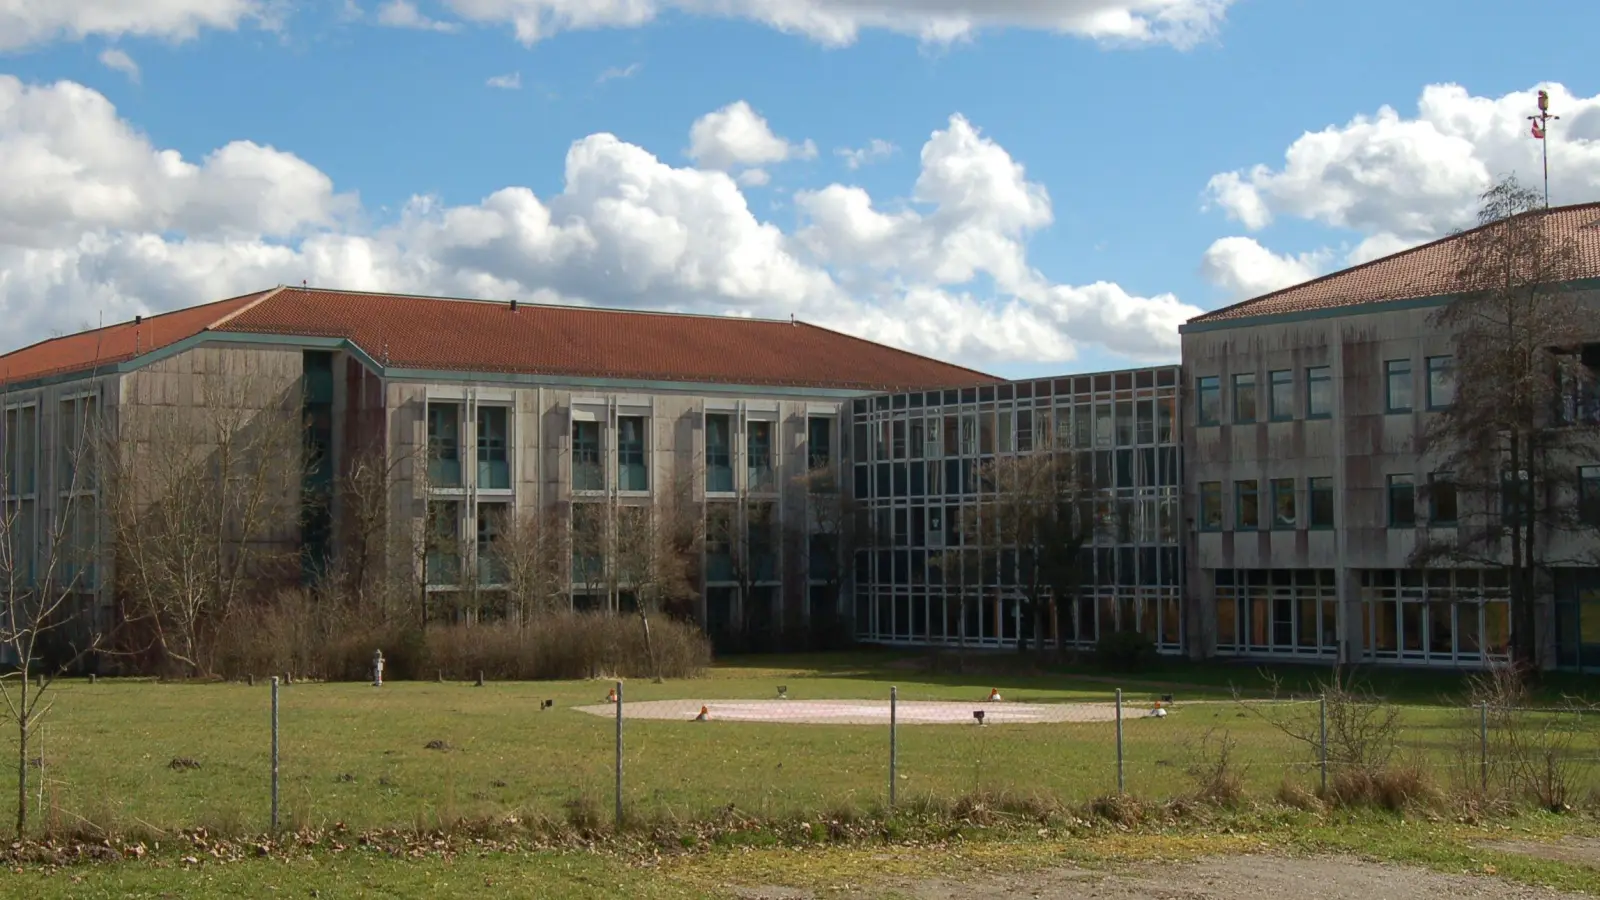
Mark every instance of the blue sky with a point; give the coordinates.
(1126, 137)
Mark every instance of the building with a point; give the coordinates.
(517, 409)
(1302, 417)
(918, 461)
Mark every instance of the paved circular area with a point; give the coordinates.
(862, 712)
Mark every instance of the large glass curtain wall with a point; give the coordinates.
(918, 460)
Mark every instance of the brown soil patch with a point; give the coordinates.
(1576, 850)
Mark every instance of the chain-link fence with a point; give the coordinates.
(426, 755)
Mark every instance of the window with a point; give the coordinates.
(1247, 512)
(1281, 398)
(1441, 381)
(1244, 398)
(758, 455)
(1208, 390)
(491, 524)
(494, 470)
(632, 473)
(1516, 495)
(1320, 491)
(1397, 385)
(444, 444)
(588, 471)
(1319, 392)
(719, 454)
(819, 442)
(1589, 494)
(1442, 498)
(1402, 501)
(443, 552)
(759, 542)
(588, 540)
(1211, 506)
(1283, 512)
(76, 445)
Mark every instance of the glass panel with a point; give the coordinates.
(1282, 398)
(819, 442)
(1319, 392)
(1321, 499)
(1402, 501)
(1244, 398)
(1397, 384)
(632, 472)
(444, 444)
(1248, 515)
(588, 471)
(1441, 381)
(494, 467)
(719, 454)
(758, 455)
(1283, 512)
(1209, 394)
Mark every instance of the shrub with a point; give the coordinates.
(1126, 651)
(335, 641)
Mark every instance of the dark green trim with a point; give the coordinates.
(1335, 312)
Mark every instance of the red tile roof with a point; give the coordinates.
(565, 341)
(1430, 270)
(112, 344)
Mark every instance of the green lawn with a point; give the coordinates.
(357, 755)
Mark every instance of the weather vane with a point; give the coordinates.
(1541, 126)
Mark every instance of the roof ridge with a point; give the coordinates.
(524, 304)
(265, 296)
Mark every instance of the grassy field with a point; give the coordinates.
(361, 756)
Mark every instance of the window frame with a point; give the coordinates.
(1316, 375)
(1312, 490)
(1246, 379)
(1276, 486)
(1391, 370)
(1589, 494)
(1208, 388)
(642, 454)
(1239, 494)
(1273, 384)
(1448, 367)
(1434, 520)
(1391, 484)
(581, 453)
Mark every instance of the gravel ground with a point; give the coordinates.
(1221, 878)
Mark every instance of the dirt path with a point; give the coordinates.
(1222, 878)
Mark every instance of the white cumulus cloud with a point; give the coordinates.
(119, 61)
(876, 149)
(25, 23)
(736, 135)
(404, 14)
(511, 81)
(95, 220)
(1182, 23)
(1394, 181)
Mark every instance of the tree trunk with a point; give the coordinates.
(649, 646)
(22, 756)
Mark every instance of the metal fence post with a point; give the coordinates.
(1322, 717)
(1483, 745)
(1121, 780)
(894, 762)
(274, 753)
(619, 756)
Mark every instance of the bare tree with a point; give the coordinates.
(532, 555)
(827, 536)
(591, 541)
(204, 504)
(47, 623)
(655, 550)
(1502, 439)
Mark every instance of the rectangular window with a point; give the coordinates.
(1024, 431)
(1283, 511)
(1208, 393)
(443, 556)
(758, 455)
(1441, 381)
(589, 538)
(1516, 496)
(444, 444)
(1211, 506)
(1244, 398)
(1442, 499)
(491, 524)
(763, 559)
(588, 469)
(494, 467)
(719, 454)
(1320, 497)
(1402, 501)
(1397, 385)
(1281, 386)
(1589, 494)
(1247, 512)
(632, 473)
(1319, 392)
(819, 442)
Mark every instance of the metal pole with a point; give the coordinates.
(894, 703)
(1121, 780)
(1483, 745)
(1322, 715)
(274, 753)
(619, 755)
